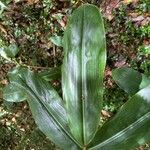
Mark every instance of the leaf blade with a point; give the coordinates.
(57, 40)
(46, 106)
(127, 79)
(12, 94)
(83, 71)
(129, 128)
(51, 74)
(9, 52)
(145, 81)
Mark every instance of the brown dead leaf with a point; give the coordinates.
(13, 119)
(108, 72)
(146, 42)
(2, 29)
(106, 113)
(141, 148)
(4, 82)
(137, 19)
(31, 2)
(120, 63)
(8, 123)
(62, 23)
(108, 6)
(18, 114)
(130, 1)
(127, 1)
(145, 21)
(133, 14)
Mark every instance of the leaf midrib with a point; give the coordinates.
(36, 97)
(132, 126)
(82, 71)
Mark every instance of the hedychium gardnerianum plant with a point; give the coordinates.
(74, 122)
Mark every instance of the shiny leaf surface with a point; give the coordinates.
(83, 71)
(129, 128)
(57, 40)
(9, 52)
(46, 106)
(145, 81)
(127, 79)
(13, 94)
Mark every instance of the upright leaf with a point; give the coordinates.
(46, 106)
(83, 71)
(129, 128)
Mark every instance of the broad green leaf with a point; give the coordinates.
(83, 71)
(51, 74)
(129, 128)
(9, 52)
(127, 79)
(46, 106)
(145, 81)
(13, 94)
(130, 80)
(57, 40)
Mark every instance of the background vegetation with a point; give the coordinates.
(35, 29)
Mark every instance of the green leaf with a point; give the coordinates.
(83, 71)
(57, 40)
(13, 94)
(46, 106)
(2, 7)
(9, 52)
(130, 80)
(129, 128)
(127, 79)
(145, 81)
(51, 74)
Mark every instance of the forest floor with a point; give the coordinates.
(36, 28)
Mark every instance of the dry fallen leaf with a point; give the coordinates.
(139, 18)
(133, 14)
(130, 1)
(108, 6)
(13, 119)
(127, 1)
(106, 113)
(31, 2)
(4, 82)
(120, 63)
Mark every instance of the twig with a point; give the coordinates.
(54, 55)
